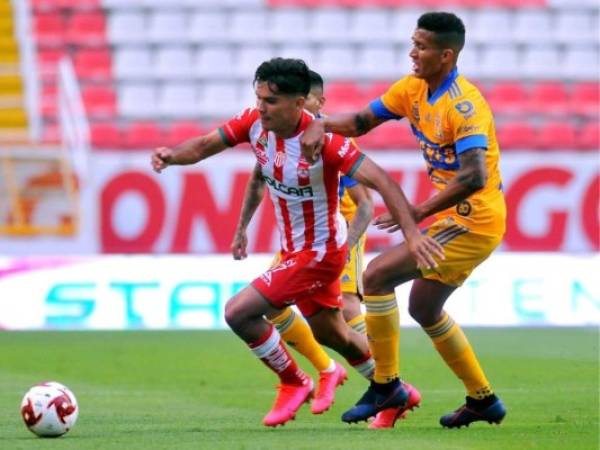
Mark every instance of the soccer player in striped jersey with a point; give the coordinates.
(312, 231)
(454, 128)
(356, 206)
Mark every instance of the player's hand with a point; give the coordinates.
(425, 249)
(161, 158)
(239, 245)
(311, 142)
(386, 222)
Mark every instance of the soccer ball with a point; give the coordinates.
(49, 409)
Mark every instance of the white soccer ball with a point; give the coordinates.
(49, 409)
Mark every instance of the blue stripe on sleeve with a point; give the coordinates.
(356, 165)
(347, 181)
(381, 112)
(469, 142)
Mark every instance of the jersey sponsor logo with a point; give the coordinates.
(469, 129)
(439, 157)
(464, 208)
(303, 191)
(466, 108)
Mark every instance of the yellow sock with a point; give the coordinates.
(452, 344)
(297, 334)
(358, 324)
(383, 331)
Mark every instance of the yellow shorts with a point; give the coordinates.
(464, 249)
(351, 277)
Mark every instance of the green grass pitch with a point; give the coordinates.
(204, 389)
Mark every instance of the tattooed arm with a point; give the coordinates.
(364, 213)
(252, 198)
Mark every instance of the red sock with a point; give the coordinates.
(271, 351)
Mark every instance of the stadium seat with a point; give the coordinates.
(49, 101)
(173, 63)
(249, 58)
(329, 25)
(208, 26)
(370, 26)
(500, 61)
(516, 136)
(303, 52)
(508, 98)
(585, 99)
(93, 64)
(468, 62)
(532, 26)
(284, 20)
(100, 102)
(581, 63)
(576, 27)
(375, 90)
(178, 100)
(105, 135)
(220, 99)
(133, 63)
(49, 30)
(41, 6)
(177, 132)
(216, 62)
(87, 28)
(556, 136)
(343, 97)
(142, 135)
(391, 135)
(335, 62)
(377, 62)
(540, 62)
(488, 24)
(47, 63)
(167, 27)
(403, 21)
(588, 136)
(248, 26)
(549, 98)
(128, 27)
(137, 100)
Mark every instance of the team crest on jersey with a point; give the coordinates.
(303, 168)
(280, 158)
(464, 208)
(261, 155)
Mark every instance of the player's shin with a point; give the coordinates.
(383, 330)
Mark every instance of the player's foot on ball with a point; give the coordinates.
(388, 417)
(328, 382)
(377, 398)
(289, 399)
(490, 409)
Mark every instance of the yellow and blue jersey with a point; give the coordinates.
(347, 205)
(452, 120)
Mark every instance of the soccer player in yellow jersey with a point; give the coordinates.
(356, 206)
(454, 128)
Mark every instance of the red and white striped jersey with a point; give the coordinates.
(305, 197)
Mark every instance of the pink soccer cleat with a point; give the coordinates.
(387, 418)
(328, 382)
(289, 399)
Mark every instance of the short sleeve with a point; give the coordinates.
(395, 99)
(342, 153)
(237, 129)
(470, 120)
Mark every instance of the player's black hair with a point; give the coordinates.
(285, 76)
(316, 80)
(449, 30)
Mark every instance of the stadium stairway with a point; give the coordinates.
(13, 118)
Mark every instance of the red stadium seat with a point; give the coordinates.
(556, 136)
(585, 99)
(391, 135)
(49, 30)
(52, 5)
(516, 135)
(177, 132)
(507, 98)
(94, 65)
(548, 97)
(588, 136)
(47, 61)
(344, 97)
(100, 102)
(376, 90)
(105, 135)
(49, 101)
(143, 135)
(87, 28)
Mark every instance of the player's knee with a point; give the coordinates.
(373, 281)
(335, 339)
(234, 314)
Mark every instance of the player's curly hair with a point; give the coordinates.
(285, 76)
(316, 80)
(449, 30)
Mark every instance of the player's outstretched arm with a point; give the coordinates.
(470, 178)
(252, 198)
(189, 152)
(345, 124)
(361, 196)
(423, 248)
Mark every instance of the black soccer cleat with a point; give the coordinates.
(490, 409)
(377, 398)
